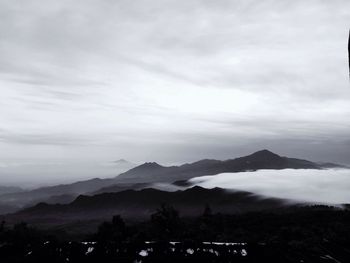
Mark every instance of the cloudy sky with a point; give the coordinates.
(173, 81)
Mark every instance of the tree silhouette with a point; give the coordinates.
(166, 222)
(207, 211)
(114, 231)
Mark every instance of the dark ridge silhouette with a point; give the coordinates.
(152, 172)
(60, 199)
(137, 205)
(5, 209)
(120, 187)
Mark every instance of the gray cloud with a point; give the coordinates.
(44, 139)
(174, 80)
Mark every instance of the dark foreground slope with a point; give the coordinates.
(138, 205)
(294, 234)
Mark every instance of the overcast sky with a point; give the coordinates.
(173, 81)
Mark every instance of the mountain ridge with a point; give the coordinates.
(263, 159)
(139, 204)
(152, 172)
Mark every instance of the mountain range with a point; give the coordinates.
(149, 173)
(153, 172)
(140, 204)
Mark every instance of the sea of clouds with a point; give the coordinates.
(329, 186)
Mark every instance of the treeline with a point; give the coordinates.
(311, 234)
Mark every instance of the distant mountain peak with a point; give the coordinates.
(121, 161)
(124, 164)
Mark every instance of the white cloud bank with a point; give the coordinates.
(329, 186)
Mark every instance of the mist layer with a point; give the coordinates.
(330, 186)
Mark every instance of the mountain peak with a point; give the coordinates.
(121, 161)
(264, 153)
(150, 165)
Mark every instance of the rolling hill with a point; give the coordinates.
(138, 205)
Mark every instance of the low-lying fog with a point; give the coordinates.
(30, 175)
(330, 186)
